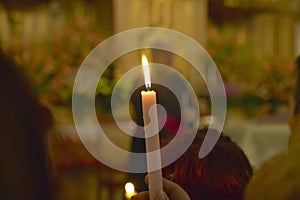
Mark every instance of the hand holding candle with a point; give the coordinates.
(151, 133)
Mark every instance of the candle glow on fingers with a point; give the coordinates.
(146, 72)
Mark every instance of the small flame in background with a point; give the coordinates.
(129, 190)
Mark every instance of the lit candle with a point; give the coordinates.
(151, 133)
(129, 191)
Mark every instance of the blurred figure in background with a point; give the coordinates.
(23, 125)
(222, 174)
(279, 178)
(294, 121)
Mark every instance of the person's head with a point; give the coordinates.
(279, 178)
(23, 123)
(298, 62)
(18, 97)
(294, 118)
(222, 174)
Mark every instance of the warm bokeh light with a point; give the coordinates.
(129, 188)
(146, 71)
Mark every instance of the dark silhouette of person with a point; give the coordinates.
(294, 120)
(23, 125)
(279, 178)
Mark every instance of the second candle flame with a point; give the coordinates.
(146, 72)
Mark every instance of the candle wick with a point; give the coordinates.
(148, 86)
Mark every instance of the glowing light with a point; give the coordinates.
(129, 188)
(146, 72)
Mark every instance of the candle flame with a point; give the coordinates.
(146, 72)
(129, 188)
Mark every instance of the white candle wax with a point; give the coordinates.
(151, 133)
(152, 142)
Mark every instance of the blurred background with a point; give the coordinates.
(253, 43)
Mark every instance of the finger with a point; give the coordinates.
(161, 195)
(146, 179)
(173, 190)
(141, 196)
(168, 185)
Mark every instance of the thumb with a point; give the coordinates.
(141, 196)
(174, 191)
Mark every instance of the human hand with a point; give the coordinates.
(172, 191)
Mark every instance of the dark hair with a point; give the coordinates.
(297, 88)
(298, 62)
(24, 122)
(18, 95)
(222, 174)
